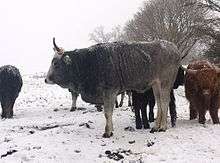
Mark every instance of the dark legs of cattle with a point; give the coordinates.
(202, 113)
(151, 102)
(99, 108)
(193, 112)
(7, 107)
(214, 115)
(140, 104)
(214, 110)
(172, 107)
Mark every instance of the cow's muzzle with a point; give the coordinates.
(48, 81)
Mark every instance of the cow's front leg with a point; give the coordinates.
(162, 96)
(74, 98)
(109, 100)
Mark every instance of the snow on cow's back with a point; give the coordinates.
(10, 76)
(10, 70)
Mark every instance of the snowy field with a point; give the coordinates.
(44, 130)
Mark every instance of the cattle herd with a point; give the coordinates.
(148, 71)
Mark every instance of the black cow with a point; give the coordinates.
(141, 100)
(99, 73)
(10, 86)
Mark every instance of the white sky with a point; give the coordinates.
(27, 27)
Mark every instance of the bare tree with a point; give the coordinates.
(213, 4)
(177, 21)
(99, 35)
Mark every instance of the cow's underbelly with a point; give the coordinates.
(95, 98)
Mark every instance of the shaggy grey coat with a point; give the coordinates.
(102, 71)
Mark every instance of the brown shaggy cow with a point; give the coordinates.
(202, 84)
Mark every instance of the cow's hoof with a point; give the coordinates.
(138, 127)
(106, 135)
(73, 109)
(7, 116)
(202, 122)
(153, 130)
(151, 119)
(99, 108)
(161, 130)
(147, 126)
(173, 124)
(120, 105)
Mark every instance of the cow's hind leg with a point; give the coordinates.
(7, 104)
(193, 113)
(172, 107)
(214, 110)
(151, 101)
(157, 94)
(165, 99)
(138, 121)
(137, 108)
(202, 113)
(109, 100)
(144, 115)
(162, 96)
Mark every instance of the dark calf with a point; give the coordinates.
(10, 86)
(141, 100)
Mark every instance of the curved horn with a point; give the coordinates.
(55, 46)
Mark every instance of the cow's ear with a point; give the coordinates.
(67, 59)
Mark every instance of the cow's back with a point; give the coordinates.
(124, 66)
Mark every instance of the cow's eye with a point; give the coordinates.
(55, 64)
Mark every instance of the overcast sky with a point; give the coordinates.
(27, 27)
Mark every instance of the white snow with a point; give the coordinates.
(40, 105)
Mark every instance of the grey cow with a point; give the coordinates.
(102, 71)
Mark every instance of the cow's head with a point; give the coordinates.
(59, 69)
(207, 80)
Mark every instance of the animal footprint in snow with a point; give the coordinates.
(87, 124)
(129, 128)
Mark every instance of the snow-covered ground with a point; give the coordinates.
(44, 130)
